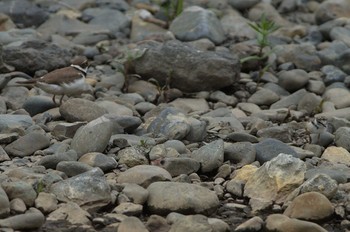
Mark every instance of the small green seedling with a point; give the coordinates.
(40, 187)
(263, 29)
(143, 143)
(172, 8)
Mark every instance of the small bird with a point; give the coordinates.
(68, 81)
(318, 126)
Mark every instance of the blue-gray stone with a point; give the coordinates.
(13, 121)
(191, 70)
(28, 144)
(93, 137)
(170, 123)
(89, 189)
(271, 148)
(196, 23)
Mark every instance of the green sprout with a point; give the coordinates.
(143, 143)
(172, 8)
(263, 29)
(40, 187)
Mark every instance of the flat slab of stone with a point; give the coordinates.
(12, 121)
(166, 197)
(28, 144)
(88, 189)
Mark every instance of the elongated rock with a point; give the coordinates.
(166, 197)
(93, 137)
(31, 220)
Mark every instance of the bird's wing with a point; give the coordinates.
(63, 75)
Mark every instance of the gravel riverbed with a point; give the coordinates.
(176, 134)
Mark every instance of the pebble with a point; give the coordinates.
(135, 193)
(223, 172)
(177, 145)
(38, 104)
(333, 74)
(128, 208)
(244, 173)
(28, 144)
(171, 123)
(51, 161)
(291, 100)
(235, 187)
(310, 103)
(95, 159)
(184, 26)
(210, 156)
(275, 179)
(110, 19)
(192, 223)
(310, 206)
(279, 222)
(239, 153)
(241, 137)
(76, 109)
(160, 151)
(132, 157)
(144, 175)
(178, 166)
(253, 224)
(66, 130)
(321, 183)
(17, 206)
(242, 5)
(317, 87)
(31, 220)
(46, 202)
(270, 148)
(124, 123)
(338, 96)
(72, 168)
(336, 155)
(72, 213)
(115, 108)
(222, 97)
(132, 224)
(157, 223)
(276, 132)
(263, 97)
(83, 142)
(303, 56)
(91, 186)
(341, 137)
(21, 190)
(293, 80)
(248, 108)
(147, 90)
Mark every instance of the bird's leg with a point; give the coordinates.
(53, 99)
(61, 99)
